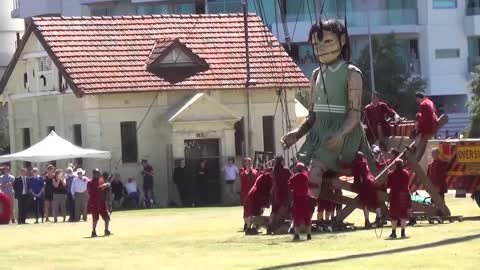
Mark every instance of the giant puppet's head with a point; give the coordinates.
(329, 40)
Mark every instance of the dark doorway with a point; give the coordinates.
(206, 190)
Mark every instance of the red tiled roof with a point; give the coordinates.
(108, 54)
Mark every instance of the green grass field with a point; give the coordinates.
(209, 238)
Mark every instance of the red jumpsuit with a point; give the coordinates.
(302, 212)
(437, 172)
(97, 205)
(280, 188)
(364, 182)
(427, 118)
(400, 200)
(324, 205)
(247, 180)
(259, 196)
(377, 115)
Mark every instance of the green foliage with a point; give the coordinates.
(474, 104)
(392, 80)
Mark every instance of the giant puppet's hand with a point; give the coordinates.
(293, 136)
(352, 120)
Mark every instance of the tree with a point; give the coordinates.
(392, 79)
(474, 104)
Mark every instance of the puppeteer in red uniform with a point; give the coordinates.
(302, 202)
(427, 124)
(97, 205)
(437, 172)
(400, 201)
(364, 182)
(377, 114)
(280, 191)
(248, 176)
(257, 199)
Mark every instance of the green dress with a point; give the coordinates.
(330, 108)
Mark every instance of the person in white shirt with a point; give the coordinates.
(79, 194)
(231, 173)
(132, 191)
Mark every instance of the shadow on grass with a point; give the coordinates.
(475, 218)
(378, 253)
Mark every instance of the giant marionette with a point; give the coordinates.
(333, 125)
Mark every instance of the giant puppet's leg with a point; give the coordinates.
(317, 169)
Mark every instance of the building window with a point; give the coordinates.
(26, 144)
(224, 6)
(77, 140)
(128, 134)
(268, 134)
(105, 11)
(444, 3)
(447, 53)
(473, 7)
(149, 9)
(45, 64)
(239, 138)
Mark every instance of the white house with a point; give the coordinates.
(152, 87)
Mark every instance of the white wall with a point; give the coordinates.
(444, 29)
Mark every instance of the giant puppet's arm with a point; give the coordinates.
(293, 136)
(352, 119)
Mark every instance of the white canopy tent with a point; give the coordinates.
(54, 147)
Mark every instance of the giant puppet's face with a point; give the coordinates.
(329, 48)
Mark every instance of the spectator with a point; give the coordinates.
(21, 187)
(132, 191)
(59, 195)
(38, 191)
(107, 190)
(181, 179)
(79, 194)
(6, 186)
(200, 185)
(147, 182)
(231, 173)
(49, 175)
(69, 176)
(117, 190)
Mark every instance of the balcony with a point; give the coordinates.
(400, 21)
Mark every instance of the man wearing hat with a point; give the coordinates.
(69, 176)
(79, 194)
(302, 201)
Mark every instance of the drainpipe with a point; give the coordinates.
(247, 83)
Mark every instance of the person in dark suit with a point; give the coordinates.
(21, 186)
